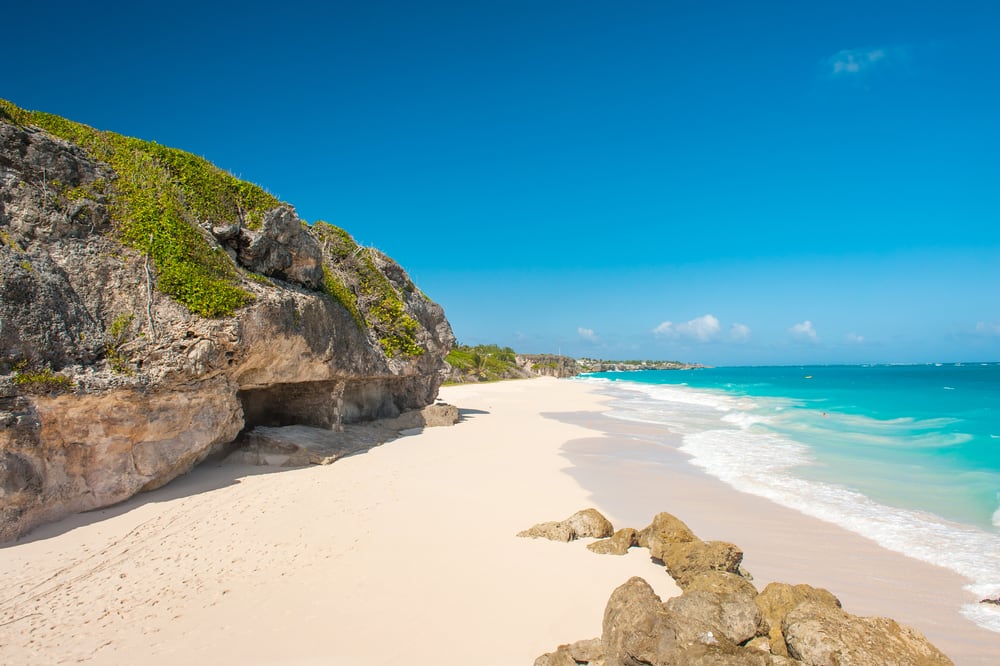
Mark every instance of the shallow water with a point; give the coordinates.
(908, 456)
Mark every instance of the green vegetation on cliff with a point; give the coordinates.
(41, 381)
(161, 199)
(361, 282)
(159, 196)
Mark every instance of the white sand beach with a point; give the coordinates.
(407, 553)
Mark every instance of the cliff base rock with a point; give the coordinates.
(126, 358)
(298, 446)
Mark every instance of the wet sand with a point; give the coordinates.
(632, 470)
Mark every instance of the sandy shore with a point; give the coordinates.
(407, 554)
(627, 470)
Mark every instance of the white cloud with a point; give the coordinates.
(850, 62)
(701, 329)
(858, 66)
(588, 334)
(804, 331)
(739, 332)
(988, 328)
(666, 328)
(855, 339)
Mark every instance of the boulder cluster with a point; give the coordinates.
(720, 618)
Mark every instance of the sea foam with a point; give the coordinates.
(737, 440)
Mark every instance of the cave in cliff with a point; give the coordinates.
(314, 404)
(368, 400)
(320, 404)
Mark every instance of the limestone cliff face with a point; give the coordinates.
(108, 386)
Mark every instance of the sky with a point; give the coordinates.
(727, 183)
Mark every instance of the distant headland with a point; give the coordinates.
(486, 363)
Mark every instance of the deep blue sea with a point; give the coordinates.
(907, 455)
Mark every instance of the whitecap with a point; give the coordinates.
(722, 434)
(761, 464)
(985, 615)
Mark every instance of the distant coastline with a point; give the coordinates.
(598, 365)
(485, 363)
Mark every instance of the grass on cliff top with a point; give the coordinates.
(364, 288)
(159, 197)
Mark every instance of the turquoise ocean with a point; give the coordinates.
(906, 455)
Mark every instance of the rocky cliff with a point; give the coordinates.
(152, 307)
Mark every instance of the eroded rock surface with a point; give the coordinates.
(725, 601)
(581, 652)
(640, 629)
(817, 633)
(720, 618)
(617, 544)
(683, 553)
(109, 387)
(585, 523)
(299, 445)
(777, 599)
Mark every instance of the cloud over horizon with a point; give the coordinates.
(988, 328)
(851, 63)
(588, 334)
(700, 329)
(804, 331)
(739, 332)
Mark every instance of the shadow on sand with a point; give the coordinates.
(216, 473)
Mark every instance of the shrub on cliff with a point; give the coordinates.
(163, 200)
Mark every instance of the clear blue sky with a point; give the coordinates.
(721, 182)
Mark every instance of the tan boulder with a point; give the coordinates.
(665, 529)
(438, 414)
(686, 560)
(724, 601)
(590, 651)
(778, 599)
(561, 657)
(552, 530)
(818, 633)
(585, 523)
(590, 523)
(640, 629)
(581, 652)
(684, 554)
(617, 544)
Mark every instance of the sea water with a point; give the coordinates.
(906, 455)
